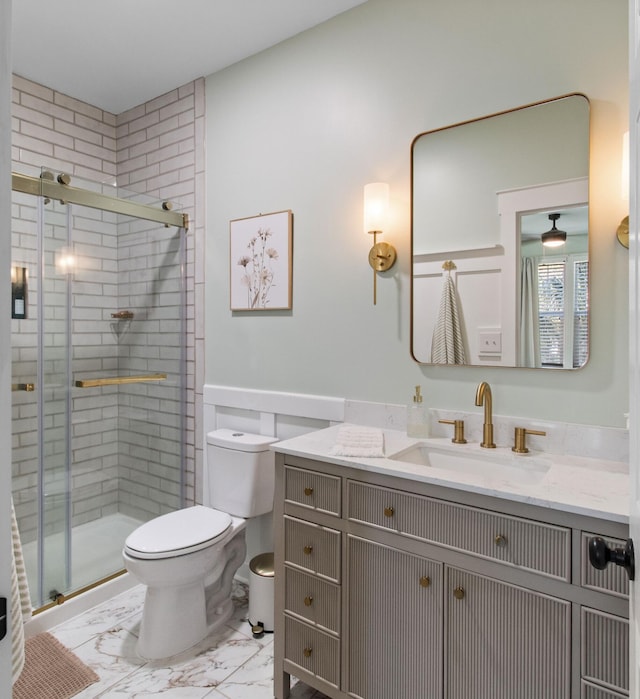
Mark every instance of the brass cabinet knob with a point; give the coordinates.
(307, 652)
(308, 491)
(458, 593)
(308, 601)
(500, 540)
(389, 511)
(425, 581)
(307, 550)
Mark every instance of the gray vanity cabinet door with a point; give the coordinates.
(503, 641)
(394, 623)
(605, 650)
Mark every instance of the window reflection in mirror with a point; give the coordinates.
(485, 291)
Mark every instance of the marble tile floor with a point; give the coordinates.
(229, 664)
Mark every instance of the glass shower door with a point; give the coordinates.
(40, 391)
(25, 285)
(99, 379)
(53, 384)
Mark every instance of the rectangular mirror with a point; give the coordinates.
(485, 290)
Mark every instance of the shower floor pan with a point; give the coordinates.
(96, 552)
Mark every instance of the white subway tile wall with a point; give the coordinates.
(123, 461)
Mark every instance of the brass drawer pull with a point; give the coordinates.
(425, 581)
(307, 652)
(500, 540)
(308, 601)
(389, 511)
(308, 491)
(308, 550)
(458, 593)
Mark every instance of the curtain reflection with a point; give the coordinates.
(529, 325)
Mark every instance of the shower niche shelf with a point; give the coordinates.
(118, 380)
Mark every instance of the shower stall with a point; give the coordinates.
(98, 374)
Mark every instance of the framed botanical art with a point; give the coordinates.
(261, 262)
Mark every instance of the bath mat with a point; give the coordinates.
(51, 671)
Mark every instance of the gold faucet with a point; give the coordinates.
(484, 394)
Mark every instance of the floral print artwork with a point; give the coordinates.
(258, 269)
(260, 262)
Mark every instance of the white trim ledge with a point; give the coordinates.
(280, 403)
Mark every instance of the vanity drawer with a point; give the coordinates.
(313, 650)
(613, 579)
(539, 547)
(605, 650)
(317, 491)
(316, 601)
(312, 547)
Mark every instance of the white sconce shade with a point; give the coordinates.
(376, 206)
(622, 232)
(624, 173)
(382, 256)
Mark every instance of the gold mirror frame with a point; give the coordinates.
(555, 134)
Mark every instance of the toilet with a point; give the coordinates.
(188, 558)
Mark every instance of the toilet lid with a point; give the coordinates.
(178, 533)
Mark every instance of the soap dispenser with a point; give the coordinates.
(417, 417)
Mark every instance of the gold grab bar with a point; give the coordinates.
(117, 380)
(23, 387)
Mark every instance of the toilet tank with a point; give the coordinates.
(240, 473)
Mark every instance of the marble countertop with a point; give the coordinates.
(585, 486)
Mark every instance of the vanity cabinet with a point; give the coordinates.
(504, 641)
(390, 587)
(403, 641)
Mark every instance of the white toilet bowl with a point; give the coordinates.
(187, 560)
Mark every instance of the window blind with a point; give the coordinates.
(551, 285)
(581, 313)
(563, 311)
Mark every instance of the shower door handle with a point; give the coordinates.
(23, 387)
(3, 617)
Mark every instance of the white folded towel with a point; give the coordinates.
(358, 441)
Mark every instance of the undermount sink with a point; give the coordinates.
(525, 470)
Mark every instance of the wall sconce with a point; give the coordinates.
(622, 233)
(382, 256)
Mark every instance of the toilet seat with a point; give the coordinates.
(178, 533)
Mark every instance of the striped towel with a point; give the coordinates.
(447, 346)
(20, 600)
(358, 441)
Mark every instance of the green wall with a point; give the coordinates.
(306, 124)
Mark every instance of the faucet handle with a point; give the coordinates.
(520, 446)
(458, 431)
